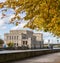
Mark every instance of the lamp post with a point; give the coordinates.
(49, 43)
(57, 41)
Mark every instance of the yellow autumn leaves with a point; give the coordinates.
(42, 14)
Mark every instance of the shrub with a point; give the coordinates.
(10, 44)
(1, 41)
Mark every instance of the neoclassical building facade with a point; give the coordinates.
(24, 38)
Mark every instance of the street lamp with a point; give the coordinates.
(57, 41)
(49, 43)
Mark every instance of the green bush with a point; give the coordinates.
(10, 44)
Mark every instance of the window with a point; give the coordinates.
(7, 37)
(14, 37)
(14, 44)
(24, 42)
(17, 44)
(24, 36)
(17, 37)
(10, 37)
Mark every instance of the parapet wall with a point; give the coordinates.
(7, 57)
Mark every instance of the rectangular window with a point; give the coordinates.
(14, 37)
(17, 44)
(7, 37)
(14, 44)
(10, 37)
(24, 42)
(17, 37)
(24, 36)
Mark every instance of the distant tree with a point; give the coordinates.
(1, 41)
(10, 44)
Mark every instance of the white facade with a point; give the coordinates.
(24, 38)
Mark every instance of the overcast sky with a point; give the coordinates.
(5, 28)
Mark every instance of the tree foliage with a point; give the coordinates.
(1, 41)
(42, 14)
(10, 44)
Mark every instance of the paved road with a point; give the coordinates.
(50, 58)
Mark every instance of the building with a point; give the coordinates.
(24, 38)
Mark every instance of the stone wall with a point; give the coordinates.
(7, 57)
